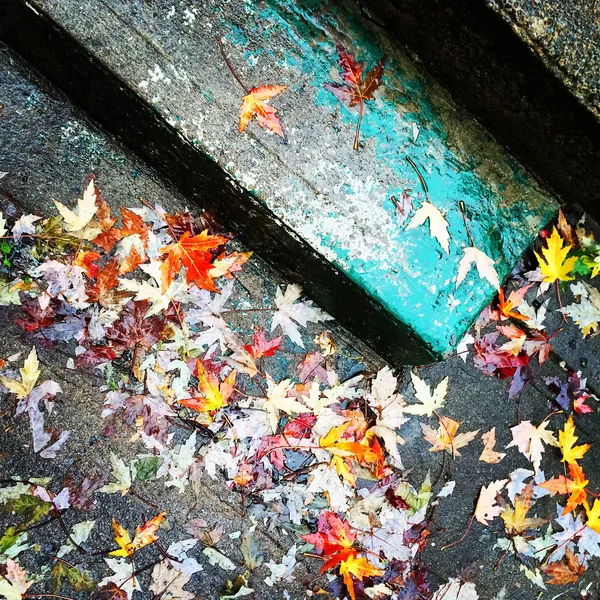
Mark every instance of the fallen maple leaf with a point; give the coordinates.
(29, 375)
(489, 455)
(356, 91)
(144, 534)
(445, 437)
(86, 209)
(194, 254)
(487, 507)
(515, 299)
(438, 226)
(515, 519)
(431, 398)
(334, 539)
(345, 449)
(586, 313)
(566, 441)
(261, 346)
(565, 572)
(530, 440)
(593, 516)
(13, 583)
(214, 394)
(555, 264)
(278, 400)
(483, 263)
(359, 568)
(575, 487)
(255, 103)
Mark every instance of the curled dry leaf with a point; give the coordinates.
(489, 455)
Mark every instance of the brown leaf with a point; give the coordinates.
(567, 571)
(489, 455)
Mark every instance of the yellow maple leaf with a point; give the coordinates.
(29, 376)
(359, 567)
(345, 450)
(86, 209)
(515, 519)
(566, 441)
(593, 516)
(555, 264)
(144, 534)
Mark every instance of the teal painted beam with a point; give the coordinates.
(336, 201)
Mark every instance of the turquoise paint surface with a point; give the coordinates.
(414, 279)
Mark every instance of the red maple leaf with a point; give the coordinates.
(261, 346)
(334, 540)
(194, 254)
(356, 91)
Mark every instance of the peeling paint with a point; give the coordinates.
(336, 199)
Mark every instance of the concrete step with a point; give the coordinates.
(526, 69)
(323, 213)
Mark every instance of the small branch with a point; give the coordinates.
(463, 537)
(139, 497)
(66, 531)
(229, 66)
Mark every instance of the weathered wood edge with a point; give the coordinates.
(488, 69)
(49, 49)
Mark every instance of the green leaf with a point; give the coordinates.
(80, 582)
(32, 507)
(581, 268)
(146, 467)
(13, 542)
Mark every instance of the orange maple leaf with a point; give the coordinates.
(515, 519)
(132, 224)
(507, 306)
(255, 103)
(445, 437)
(103, 291)
(345, 450)
(359, 568)
(144, 534)
(194, 254)
(575, 487)
(214, 394)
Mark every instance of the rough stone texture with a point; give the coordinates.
(566, 36)
(471, 49)
(336, 201)
(47, 147)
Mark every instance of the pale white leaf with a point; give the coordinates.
(438, 226)
(483, 263)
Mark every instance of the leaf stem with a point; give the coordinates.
(230, 67)
(411, 162)
(464, 216)
(360, 116)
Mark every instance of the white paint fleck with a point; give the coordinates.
(171, 12)
(189, 16)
